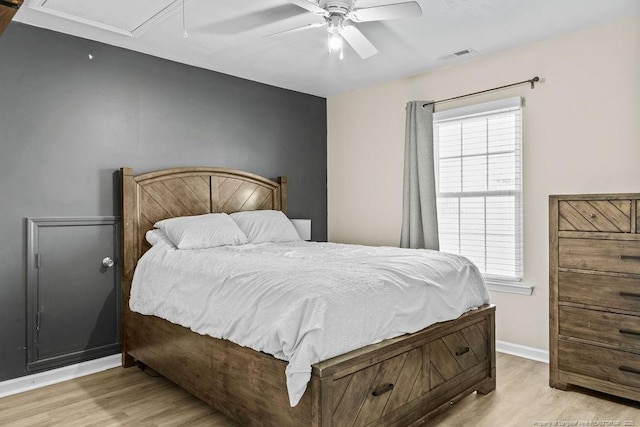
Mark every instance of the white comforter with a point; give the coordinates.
(304, 302)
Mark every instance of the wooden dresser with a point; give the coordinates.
(594, 292)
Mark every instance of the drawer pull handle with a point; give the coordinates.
(629, 294)
(630, 370)
(635, 257)
(382, 390)
(629, 332)
(463, 351)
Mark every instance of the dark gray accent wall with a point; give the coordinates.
(68, 123)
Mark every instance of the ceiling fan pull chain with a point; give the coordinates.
(185, 34)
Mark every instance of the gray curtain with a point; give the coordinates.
(419, 214)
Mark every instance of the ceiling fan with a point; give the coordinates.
(340, 17)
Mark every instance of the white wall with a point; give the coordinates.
(581, 135)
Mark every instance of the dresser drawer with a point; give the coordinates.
(366, 396)
(621, 256)
(456, 353)
(617, 330)
(621, 293)
(611, 216)
(609, 365)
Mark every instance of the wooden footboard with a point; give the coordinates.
(404, 380)
(395, 383)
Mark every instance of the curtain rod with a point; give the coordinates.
(533, 81)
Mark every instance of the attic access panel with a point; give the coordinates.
(73, 293)
(119, 16)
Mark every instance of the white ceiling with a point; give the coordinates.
(227, 35)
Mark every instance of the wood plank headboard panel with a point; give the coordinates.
(170, 193)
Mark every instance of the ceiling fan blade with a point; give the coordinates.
(310, 6)
(295, 30)
(264, 21)
(390, 11)
(358, 41)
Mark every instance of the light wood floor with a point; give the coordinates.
(128, 397)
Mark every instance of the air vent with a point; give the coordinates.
(457, 54)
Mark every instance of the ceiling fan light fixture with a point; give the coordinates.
(334, 28)
(341, 15)
(335, 41)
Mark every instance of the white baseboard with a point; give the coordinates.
(522, 351)
(30, 382)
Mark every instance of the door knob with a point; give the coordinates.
(108, 262)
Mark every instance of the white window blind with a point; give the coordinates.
(479, 186)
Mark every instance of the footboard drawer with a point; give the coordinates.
(369, 394)
(457, 353)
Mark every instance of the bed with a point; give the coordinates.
(400, 381)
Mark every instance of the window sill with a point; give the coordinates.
(508, 287)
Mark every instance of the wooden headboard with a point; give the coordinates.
(169, 193)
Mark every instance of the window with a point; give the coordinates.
(479, 186)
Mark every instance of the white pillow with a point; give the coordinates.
(157, 237)
(266, 226)
(202, 231)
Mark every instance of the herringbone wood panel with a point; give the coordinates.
(613, 216)
(455, 353)
(353, 403)
(235, 195)
(197, 195)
